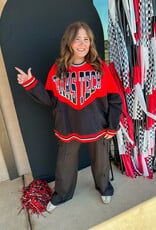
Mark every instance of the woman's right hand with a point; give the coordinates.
(22, 77)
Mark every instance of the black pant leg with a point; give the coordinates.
(99, 155)
(66, 171)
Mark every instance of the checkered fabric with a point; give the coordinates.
(118, 51)
(114, 52)
(141, 137)
(150, 163)
(139, 115)
(123, 135)
(152, 132)
(150, 71)
(130, 102)
(145, 150)
(146, 13)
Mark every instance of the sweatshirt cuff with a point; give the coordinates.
(111, 132)
(30, 83)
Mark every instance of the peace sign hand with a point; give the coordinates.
(22, 77)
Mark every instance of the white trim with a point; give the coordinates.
(78, 65)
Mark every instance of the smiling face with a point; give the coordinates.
(80, 46)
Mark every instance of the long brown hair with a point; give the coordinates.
(67, 53)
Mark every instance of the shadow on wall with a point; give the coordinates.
(30, 35)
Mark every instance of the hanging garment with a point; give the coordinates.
(152, 108)
(125, 134)
(141, 98)
(146, 31)
(130, 14)
(118, 51)
(124, 105)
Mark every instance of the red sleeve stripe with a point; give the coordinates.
(25, 84)
(111, 132)
(30, 83)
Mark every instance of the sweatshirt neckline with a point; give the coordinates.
(78, 65)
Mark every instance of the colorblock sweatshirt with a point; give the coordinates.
(86, 104)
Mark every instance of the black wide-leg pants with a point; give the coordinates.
(67, 169)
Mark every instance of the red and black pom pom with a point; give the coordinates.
(36, 197)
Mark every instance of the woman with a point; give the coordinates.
(87, 108)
